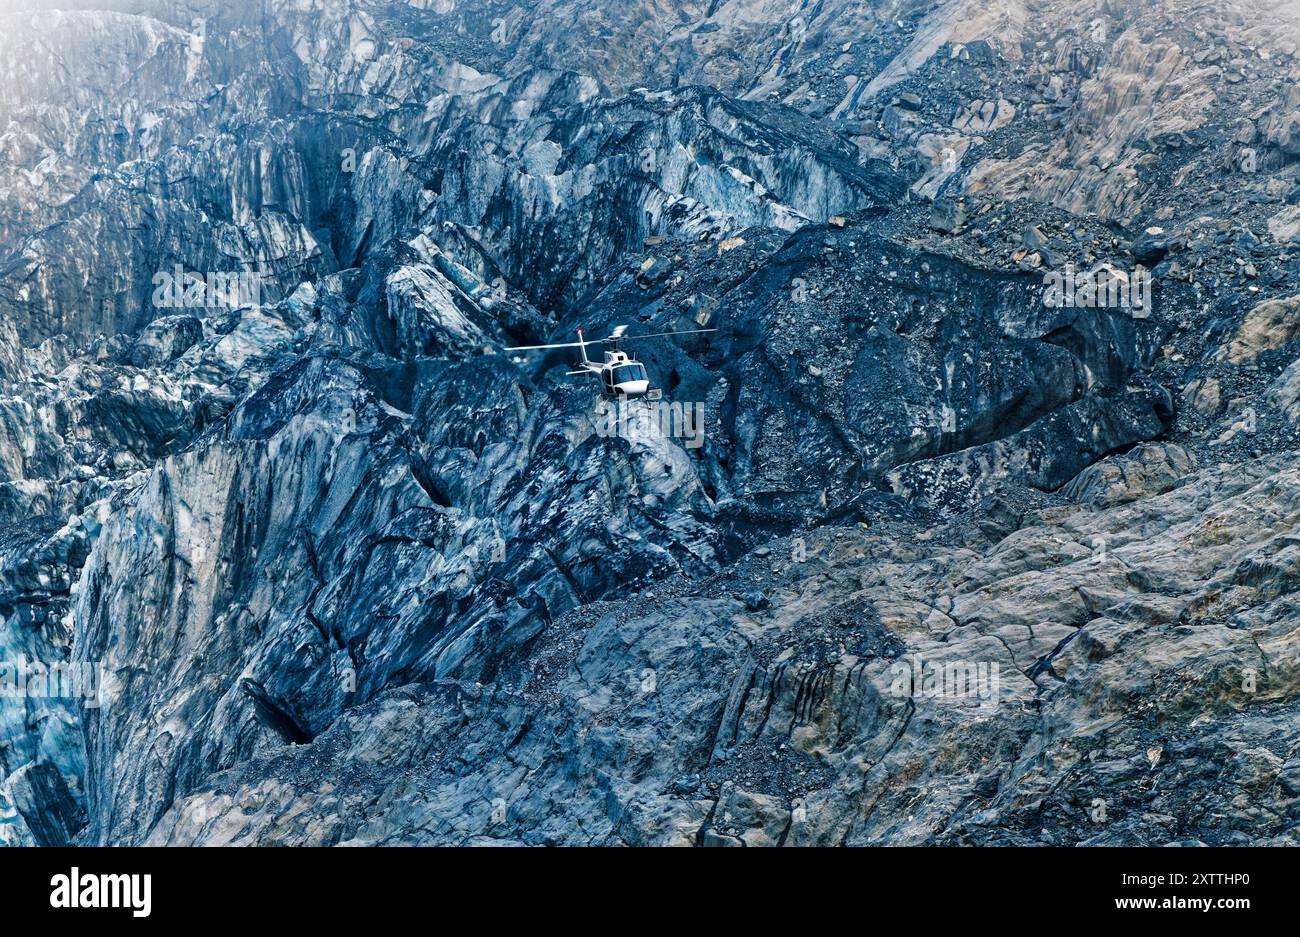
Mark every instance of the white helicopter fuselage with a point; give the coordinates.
(620, 375)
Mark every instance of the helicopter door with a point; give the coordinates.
(608, 377)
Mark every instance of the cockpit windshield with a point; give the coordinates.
(629, 372)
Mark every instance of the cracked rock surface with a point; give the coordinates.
(943, 563)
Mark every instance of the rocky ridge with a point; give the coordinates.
(352, 574)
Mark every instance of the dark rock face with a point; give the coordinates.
(930, 555)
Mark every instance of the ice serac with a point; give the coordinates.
(352, 573)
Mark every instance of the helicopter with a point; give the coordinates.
(620, 374)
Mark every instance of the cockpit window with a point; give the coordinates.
(629, 372)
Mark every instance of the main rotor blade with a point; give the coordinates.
(605, 341)
(540, 347)
(634, 338)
